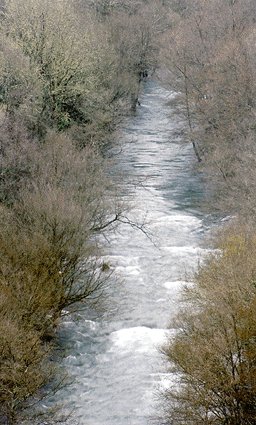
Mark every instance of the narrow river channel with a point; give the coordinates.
(115, 359)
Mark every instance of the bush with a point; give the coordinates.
(24, 365)
(46, 239)
(48, 255)
(214, 353)
(70, 59)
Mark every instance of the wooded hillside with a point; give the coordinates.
(69, 72)
(210, 55)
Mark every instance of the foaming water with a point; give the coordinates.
(115, 361)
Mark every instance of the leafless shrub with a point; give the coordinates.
(213, 353)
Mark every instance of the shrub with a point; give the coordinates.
(48, 256)
(46, 239)
(214, 353)
(24, 367)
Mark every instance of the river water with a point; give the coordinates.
(115, 359)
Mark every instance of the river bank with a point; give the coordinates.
(115, 359)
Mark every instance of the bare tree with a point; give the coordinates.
(212, 68)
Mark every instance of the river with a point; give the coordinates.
(115, 359)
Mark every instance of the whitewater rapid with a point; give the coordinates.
(114, 358)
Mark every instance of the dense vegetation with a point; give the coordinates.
(210, 55)
(213, 354)
(69, 72)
